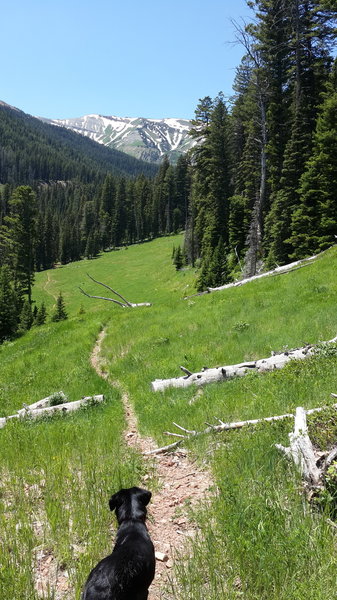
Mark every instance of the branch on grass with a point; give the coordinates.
(124, 304)
(103, 298)
(111, 290)
(223, 426)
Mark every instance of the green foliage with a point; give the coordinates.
(178, 258)
(58, 398)
(18, 239)
(314, 221)
(26, 317)
(8, 306)
(41, 315)
(60, 313)
(241, 326)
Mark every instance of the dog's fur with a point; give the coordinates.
(127, 573)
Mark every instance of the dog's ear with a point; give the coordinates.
(115, 501)
(145, 497)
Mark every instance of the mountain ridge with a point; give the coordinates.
(146, 139)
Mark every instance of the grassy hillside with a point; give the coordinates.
(258, 538)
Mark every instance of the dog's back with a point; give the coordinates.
(127, 573)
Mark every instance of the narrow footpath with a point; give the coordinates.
(182, 484)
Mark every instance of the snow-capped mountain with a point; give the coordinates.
(147, 139)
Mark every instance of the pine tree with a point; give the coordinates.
(41, 315)
(218, 266)
(272, 33)
(107, 210)
(314, 223)
(182, 190)
(119, 217)
(159, 200)
(8, 306)
(311, 32)
(178, 259)
(26, 317)
(60, 313)
(18, 238)
(211, 183)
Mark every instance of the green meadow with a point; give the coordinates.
(258, 538)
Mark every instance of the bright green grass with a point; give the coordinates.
(259, 517)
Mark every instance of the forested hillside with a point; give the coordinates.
(32, 151)
(59, 222)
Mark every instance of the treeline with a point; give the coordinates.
(264, 173)
(62, 222)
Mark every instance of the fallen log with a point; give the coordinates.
(223, 426)
(302, 452)
(213, 375)
(42, 403)
(277, 271)
(284, 269)
(35, 411)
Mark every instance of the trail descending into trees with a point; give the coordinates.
(181, 483)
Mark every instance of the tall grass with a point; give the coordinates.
(258, 538)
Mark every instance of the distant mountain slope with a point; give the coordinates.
(146, 139)
(31, 150)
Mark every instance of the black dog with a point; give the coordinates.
(127, 573)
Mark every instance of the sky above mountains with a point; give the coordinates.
(155, 59)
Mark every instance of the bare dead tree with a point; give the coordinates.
(124, 304)
(254, 238)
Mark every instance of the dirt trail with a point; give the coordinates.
(182, 484)
(49, 280)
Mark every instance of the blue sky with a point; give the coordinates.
(146, 58)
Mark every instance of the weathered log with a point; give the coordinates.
(34, 412)
(298, 264)
(206, 376)
(40, 403)
(124, 304)
(65, 407)
(301, 450)
(277, 271)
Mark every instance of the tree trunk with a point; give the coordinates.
(217, 374)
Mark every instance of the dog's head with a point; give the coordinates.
(130, 504)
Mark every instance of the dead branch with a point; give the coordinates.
(219, 374)
(103, 298)
(184, 370)
(111, 290)
(124, 304)
(223, 426)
